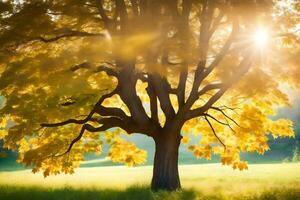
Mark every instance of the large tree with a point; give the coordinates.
(75, 74)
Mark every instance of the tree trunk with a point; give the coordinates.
(165, 169)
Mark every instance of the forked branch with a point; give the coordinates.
(82, 121)
(85, 127)
(214, 132)
(220, 122)
(222, 111)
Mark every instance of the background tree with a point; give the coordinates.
(75, 74)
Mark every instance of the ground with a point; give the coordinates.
(204, 181)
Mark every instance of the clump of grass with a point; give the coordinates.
(137, 193)
(295, 157)
(177, 195)
(277, 194)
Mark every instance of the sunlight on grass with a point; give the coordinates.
(210, 181)
(137, 193)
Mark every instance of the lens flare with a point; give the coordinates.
(260, 37)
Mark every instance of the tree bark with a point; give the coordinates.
(165, 169)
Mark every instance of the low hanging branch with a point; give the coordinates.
(67, 35)
(88, 117)
(213, 130)
(107, 123)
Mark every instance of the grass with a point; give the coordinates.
(135, 192)
(212, 181)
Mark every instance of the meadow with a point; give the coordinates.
(205, 181)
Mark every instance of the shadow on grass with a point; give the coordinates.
(134, 193)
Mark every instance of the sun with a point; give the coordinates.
(260, 37)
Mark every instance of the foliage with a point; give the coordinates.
(72, 71)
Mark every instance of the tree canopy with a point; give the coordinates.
(75, 74)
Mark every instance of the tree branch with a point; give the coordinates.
(102, 13)
(107, 70)
(89, 116)
(243, 69)
(134, 5)
(116, 112)
(122, 13)
(203, 72)
(153, 103)
(63, 123)
(181, 86)
(220, 110)
(212, 86)
(67, 35)
(185, 36)
(223, 51)
(216, 23)
(220, 122)
(127, 91)
(162, 90)
(214, 132)
(110, 123)
(102, 68)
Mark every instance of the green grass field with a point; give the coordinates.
(210, 181)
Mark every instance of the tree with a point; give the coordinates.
(75, 74)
